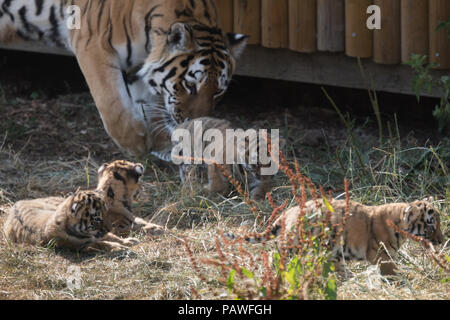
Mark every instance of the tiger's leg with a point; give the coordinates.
(387, 266)
(217, 182)
(148, 227)
(123, 119)
(342, 270)
(102, 245)
(110, 237)
(261, 185)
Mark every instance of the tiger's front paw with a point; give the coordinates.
(153, 229)
(130, 241)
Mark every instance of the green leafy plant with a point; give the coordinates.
(300, 267)
(425, 81)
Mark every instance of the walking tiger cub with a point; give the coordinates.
(366, 228)
(252, 176)
(78, 222)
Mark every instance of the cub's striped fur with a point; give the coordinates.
(366, 228)
(77, 222)
(258, 183)
(118, 181)
(184, 60)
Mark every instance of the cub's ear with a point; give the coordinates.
(102, 168)
(139, 168)
(411, 213)
(429, 199)
(74, 208)
(179, 36)
(237, 43)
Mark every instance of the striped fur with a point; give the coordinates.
(118, 181)
(365, 229)
(76, 222)
(248, 174)
(182, 59)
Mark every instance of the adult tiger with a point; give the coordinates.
(184, 59)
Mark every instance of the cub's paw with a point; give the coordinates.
(117, 248)
(130, 241)
(153, 229)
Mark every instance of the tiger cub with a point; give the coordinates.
(118, 181)
(258, 183)
(366, 228)
(77, 222)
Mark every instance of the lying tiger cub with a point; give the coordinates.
(366, 228)
(258, 183)
(119, 182)
(77, 222)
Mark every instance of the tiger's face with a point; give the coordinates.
(192, 69)
(423, 220)
(87, 215)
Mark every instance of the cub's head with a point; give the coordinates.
(190, 68)
(120, 178)
(87, 214)
(423, 220)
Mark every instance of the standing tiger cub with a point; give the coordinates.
(78, 222)
(247, 172)
(118, 181)
(366, 228)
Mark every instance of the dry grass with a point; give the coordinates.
(51, 149)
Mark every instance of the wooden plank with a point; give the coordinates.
(247, 19)
(37, 47)
(387, 40)
(358, 38)
(319, 68)
(225, 12)
(302, 25)
(274, 23)
(331, 25)
(439, 42)
(414, 29)
(327, 69)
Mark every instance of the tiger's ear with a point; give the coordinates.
(139, 168)
(411, 213)
(237, 43)
(179, 36)
(74, 208)
(102, 168)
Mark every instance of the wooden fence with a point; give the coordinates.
(313, 41)
(308, 26)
